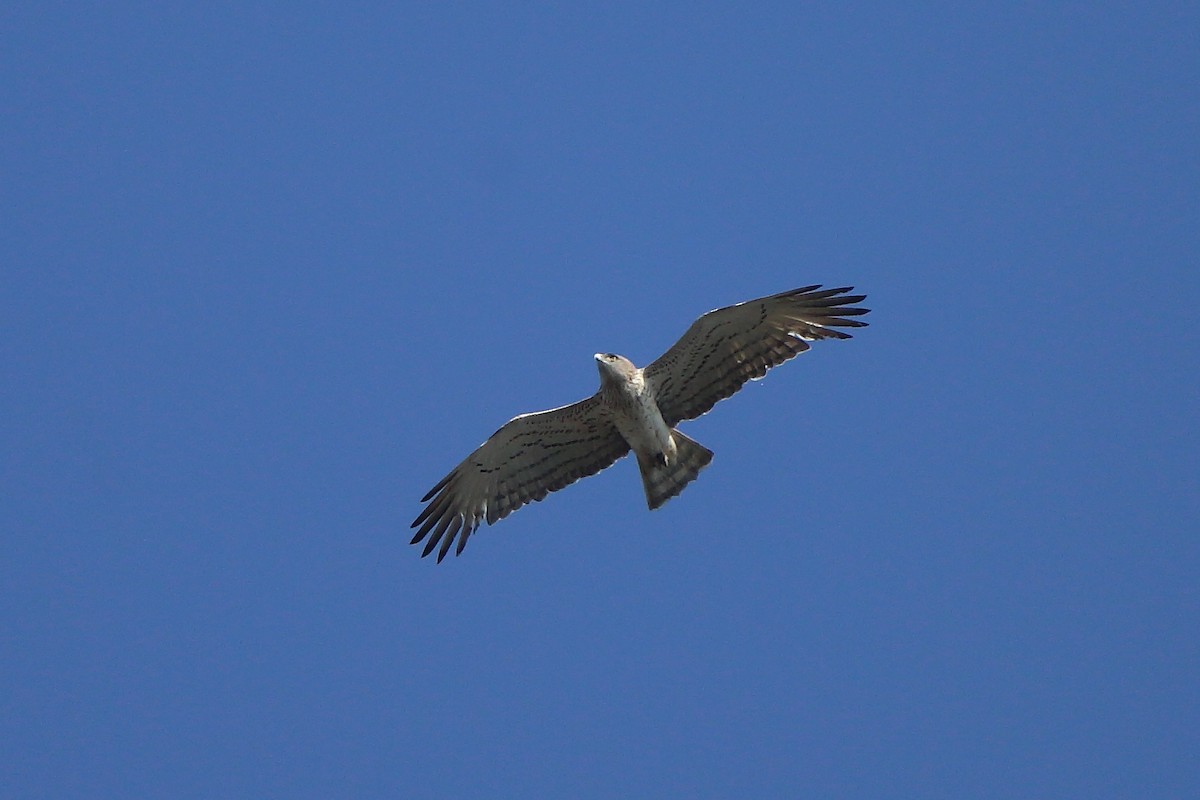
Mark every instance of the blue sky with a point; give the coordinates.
(270, 270)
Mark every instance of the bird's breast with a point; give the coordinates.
(639, 421)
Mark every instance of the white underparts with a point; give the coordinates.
(641, 424)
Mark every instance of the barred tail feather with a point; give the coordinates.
(662, 482)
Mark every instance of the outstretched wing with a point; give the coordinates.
(529, 457)
(727, 347)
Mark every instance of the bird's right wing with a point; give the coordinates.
(529, 457)
(727, 347)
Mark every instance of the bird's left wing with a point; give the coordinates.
(529, 457)
(727, 347)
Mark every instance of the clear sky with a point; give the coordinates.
(269, 270)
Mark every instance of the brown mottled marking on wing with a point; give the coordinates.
(729, 346)
(529, 457)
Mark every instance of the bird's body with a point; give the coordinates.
(667, 460)
(634, 409)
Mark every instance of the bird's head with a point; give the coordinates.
(614, 367)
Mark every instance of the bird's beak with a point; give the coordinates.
(605, 368)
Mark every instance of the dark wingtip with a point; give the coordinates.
(447, 541)
(440, 485)
(432, 543)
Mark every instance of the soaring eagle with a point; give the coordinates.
(634, 409)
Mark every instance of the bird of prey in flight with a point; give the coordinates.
(634, 409)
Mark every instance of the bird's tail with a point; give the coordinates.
(664, 481)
